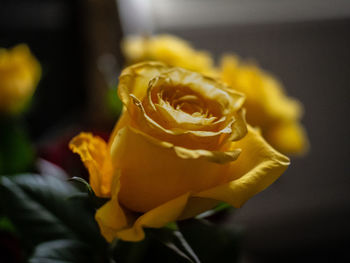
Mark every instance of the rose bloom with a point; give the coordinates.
(168, 49)
(19, 75)
(181, 147)
(267, 104)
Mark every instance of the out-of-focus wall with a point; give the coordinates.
(140, 16)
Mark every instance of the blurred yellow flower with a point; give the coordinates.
(268, 107)
(168, 49)
(180, 147)
(19, 74)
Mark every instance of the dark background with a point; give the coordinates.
(305, 215)
(51, 30)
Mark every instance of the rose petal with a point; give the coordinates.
(155, 218)
(111, 217)
(94, 154)
(212, 156)
(135, 79)
(210, 100)
(258, 166)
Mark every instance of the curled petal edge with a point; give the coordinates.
(184, 153)
(263, 174)
(128, 75)
(94, 153)
(235, 130)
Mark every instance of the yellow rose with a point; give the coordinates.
(19, 75)
(168, 49)
(180, 147)
(268, 107)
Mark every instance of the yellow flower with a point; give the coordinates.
(168, 49)
(180, 147)
(19, 75)
(268, 107)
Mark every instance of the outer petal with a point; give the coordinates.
(154, 172)
(288, 137)
(111, 216)
(94, 153)
(135, 80)
(258, 166)
(155, 218)
(123, 121)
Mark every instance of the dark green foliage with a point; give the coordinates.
(55, 221)
(42, 210)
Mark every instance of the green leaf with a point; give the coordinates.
(172, 226)
(82, 184)
(62, 251)
(89, 193)
(213, 243)
(40, 208)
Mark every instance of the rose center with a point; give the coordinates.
(182, 98)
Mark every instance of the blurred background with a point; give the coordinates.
(303, 216)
